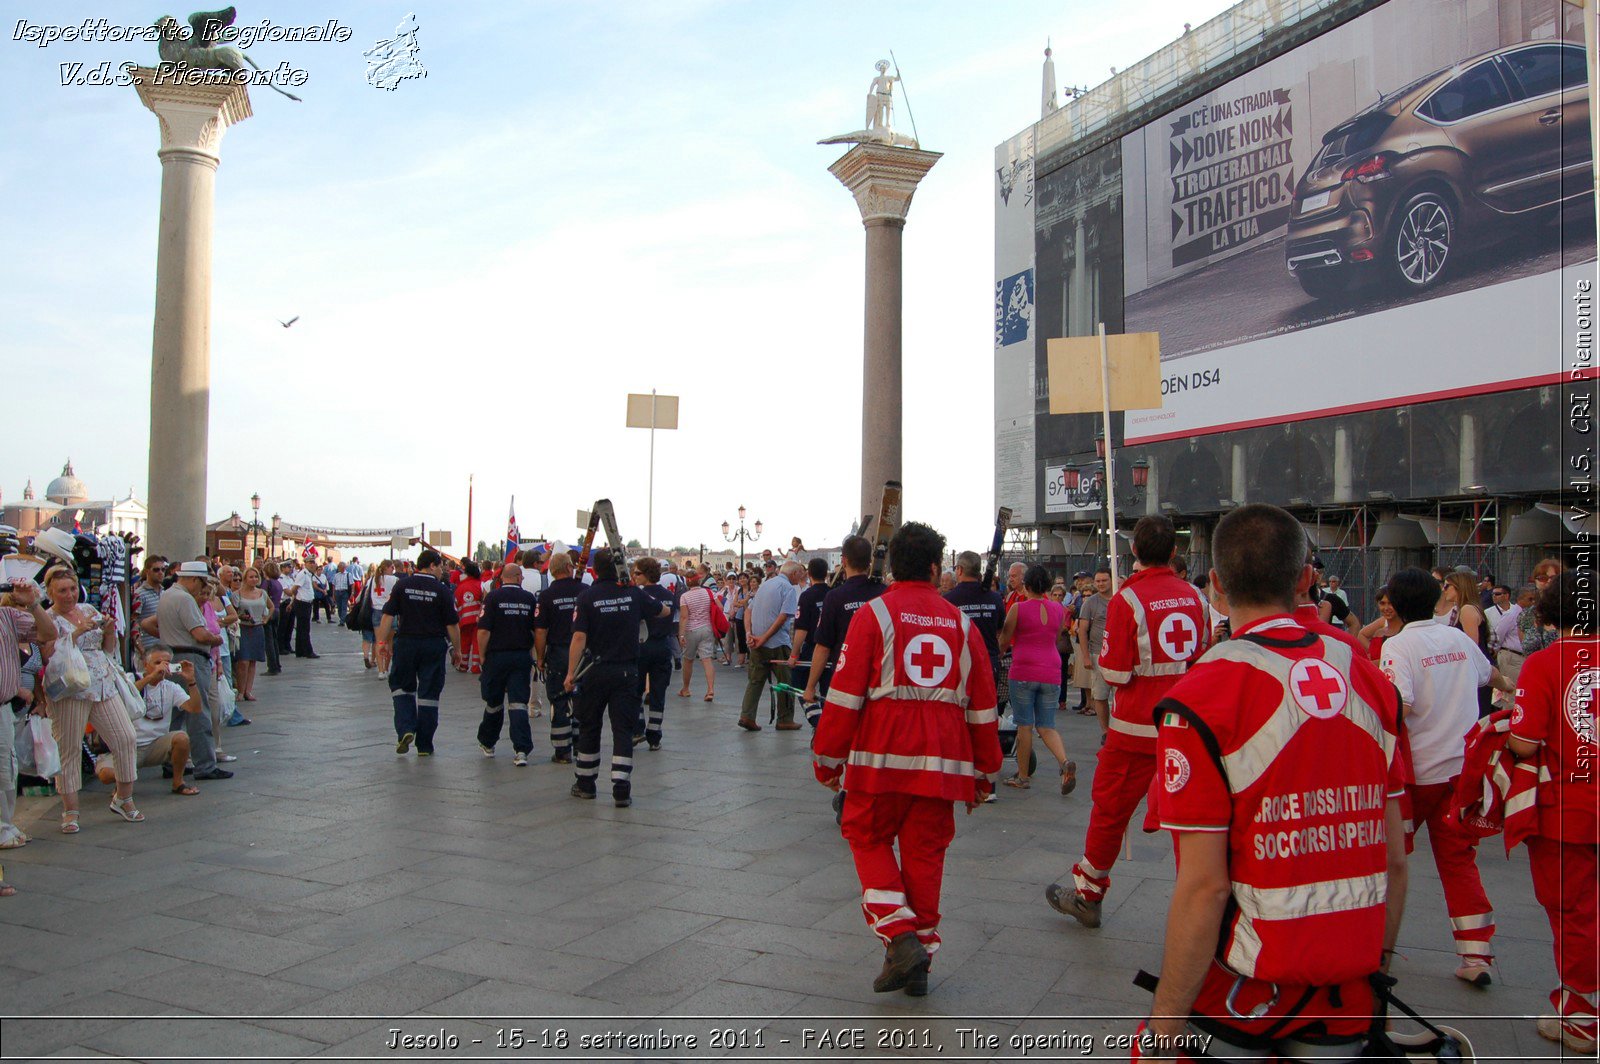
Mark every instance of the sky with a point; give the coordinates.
(579, 201)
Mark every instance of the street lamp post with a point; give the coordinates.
(255, 527)
(728, 535)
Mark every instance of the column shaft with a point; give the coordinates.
(881, 375)
(180, 369)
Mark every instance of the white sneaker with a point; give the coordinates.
(488, 751)
(521, 760)
(383, 674)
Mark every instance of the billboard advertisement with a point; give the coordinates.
(1014, 328)
(1394, 212)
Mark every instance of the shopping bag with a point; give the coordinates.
(132, 700)
(46, 756)
(22, 742)
(230, 701)
(67, 674)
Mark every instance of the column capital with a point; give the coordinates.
(192, 114)
(883, 179)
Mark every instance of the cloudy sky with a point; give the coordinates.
(579, 201)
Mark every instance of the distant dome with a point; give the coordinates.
(66, 488)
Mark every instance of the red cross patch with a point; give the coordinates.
(928, 660)
(1178, 636)
(1174, 770)
(1317, 688)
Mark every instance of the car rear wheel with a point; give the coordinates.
(1424, 238)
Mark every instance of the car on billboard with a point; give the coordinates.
(1399, 189)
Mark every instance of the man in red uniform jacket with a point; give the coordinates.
(1554, 721)
(469, 607)
(910, 725)
(1280, 782)
(1155, 627)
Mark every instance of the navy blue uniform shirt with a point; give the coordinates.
(554, 615)
(609, 614)
(839, 606)
(425, 605)
(659, 627)
(985, 609)
(508, 618)
(810, 616)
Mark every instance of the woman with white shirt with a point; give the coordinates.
(95, 635)
(380, 580)
(1438, 671)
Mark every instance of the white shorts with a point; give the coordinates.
(700, 643)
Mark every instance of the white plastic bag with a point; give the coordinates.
(46, 756)
(67, 674)
(128, 693)
(230, 701)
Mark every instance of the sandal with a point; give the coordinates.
(185, 789)
(683, 693)
(1019, 782)
(69, 822)
(712, 697)
(124, 808)
(6, 889)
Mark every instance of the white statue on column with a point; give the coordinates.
(879, 128)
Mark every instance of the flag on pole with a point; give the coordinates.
(513, 537)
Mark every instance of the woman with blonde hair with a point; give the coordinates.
(255, 611)
(95, 635)
(1460, 594)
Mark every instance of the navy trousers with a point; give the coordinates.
(655, 665)
(506, 684)
(416, 680)
(609, 688)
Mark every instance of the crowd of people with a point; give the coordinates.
(1292, 750)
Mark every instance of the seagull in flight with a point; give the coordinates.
(290, 322)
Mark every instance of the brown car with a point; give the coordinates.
(1398, 189)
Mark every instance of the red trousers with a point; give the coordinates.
(1121, 778)
(1566, 881)
(1455, 855)
(900, 895)
(469, 647)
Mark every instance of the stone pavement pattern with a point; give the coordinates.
(331, 878)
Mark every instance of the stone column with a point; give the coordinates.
(882, 179)
(192, 118)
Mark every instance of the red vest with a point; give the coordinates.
(1284, 741)
(911, 708)
(1155, 627)
(469, 601)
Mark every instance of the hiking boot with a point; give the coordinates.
(578, 792)
(917, 985)
(560, 758)
(904, 956)
(1074, 904)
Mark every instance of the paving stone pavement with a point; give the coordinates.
(332, 879)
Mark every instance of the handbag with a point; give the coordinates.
(67, 674)
(132, 700)
(719, 620)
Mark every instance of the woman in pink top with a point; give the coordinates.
(1032, 629)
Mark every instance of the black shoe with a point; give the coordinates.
(274, 672)
(917, 985)
(578, 792)
(309, 656)
(838, 809)
(1070, 902)
(623, 801)
(405, 742)
(904, 956)
(638, 738)
(561, 759)
(656, 745)
(214, 774)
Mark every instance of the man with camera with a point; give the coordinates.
(181, 626)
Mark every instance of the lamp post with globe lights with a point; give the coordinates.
(742, 535)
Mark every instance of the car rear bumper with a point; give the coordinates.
(1327, 242)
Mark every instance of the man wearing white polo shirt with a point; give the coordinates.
(1438, 670)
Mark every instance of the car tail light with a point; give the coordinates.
(1373, 169)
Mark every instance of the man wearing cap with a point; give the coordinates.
(181, 626)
